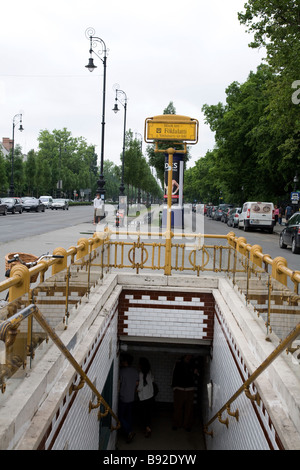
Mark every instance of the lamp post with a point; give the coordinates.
(116, 109)
(12, 191)
(93, 40)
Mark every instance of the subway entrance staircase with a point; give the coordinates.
(225, 301)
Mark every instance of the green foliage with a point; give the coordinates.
(3, 175)
(137, 173)
(257, 130)
(72, 161)
(275, 25)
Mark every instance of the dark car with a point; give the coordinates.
(208, 211)
(233, 217)
(224, 216)
(290, 235)
(3, 208)
(221, 212)
(211, 211)
(33, 204)
(14, 204)
(217, 214)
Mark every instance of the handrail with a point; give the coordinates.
(280, 270)
(13, 322)
(245, 386)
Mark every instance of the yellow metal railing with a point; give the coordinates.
(196, 256)
(246, 385)
(8, 332)
(261, 279)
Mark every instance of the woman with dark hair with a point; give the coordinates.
(145, 394)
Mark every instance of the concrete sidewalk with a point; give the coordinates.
(46, 242)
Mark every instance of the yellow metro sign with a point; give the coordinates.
(171, 127)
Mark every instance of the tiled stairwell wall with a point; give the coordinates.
(173, 317)
(161, 314)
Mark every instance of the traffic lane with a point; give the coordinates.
(269, 242)
(28, 224)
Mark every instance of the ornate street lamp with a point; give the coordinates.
(116, 109)
(12, 190)
(91, 66)
(296, 180)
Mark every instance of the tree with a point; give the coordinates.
(18, 169)
(3, 175)
(30, 188)
(112, 180)
(276, 26)
(67, 159)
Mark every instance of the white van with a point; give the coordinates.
(47, 201)
(257, 215)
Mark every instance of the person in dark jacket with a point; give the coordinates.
(183, 383)
(128, 382)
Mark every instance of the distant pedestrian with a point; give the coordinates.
(288, 212)
(276, 214)
(98, 208)
(280, 215)
(146, 394)
(129, 379)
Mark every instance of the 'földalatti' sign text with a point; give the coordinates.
(178, 131)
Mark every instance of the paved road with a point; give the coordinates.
(39, 233)
(27, 224)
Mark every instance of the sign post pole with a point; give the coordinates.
(176, 129)
(169, 234)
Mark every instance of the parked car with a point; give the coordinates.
(290, 235)
(60, 204)
(225, 208)
(208, 210)
(233, 217)
(217, 214)
(224, 216)
(221, 208)
(3, 208)
(47, 201)
(257, 215)
(14, 204)
(211, 211)
(33, 204)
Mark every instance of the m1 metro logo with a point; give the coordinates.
(296, 94)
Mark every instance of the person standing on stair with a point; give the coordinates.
(183, 383)
(146, 394)
(128, 382)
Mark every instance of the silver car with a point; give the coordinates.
(60, 204)
(233, 217)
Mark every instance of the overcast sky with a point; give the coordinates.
(187, 52)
